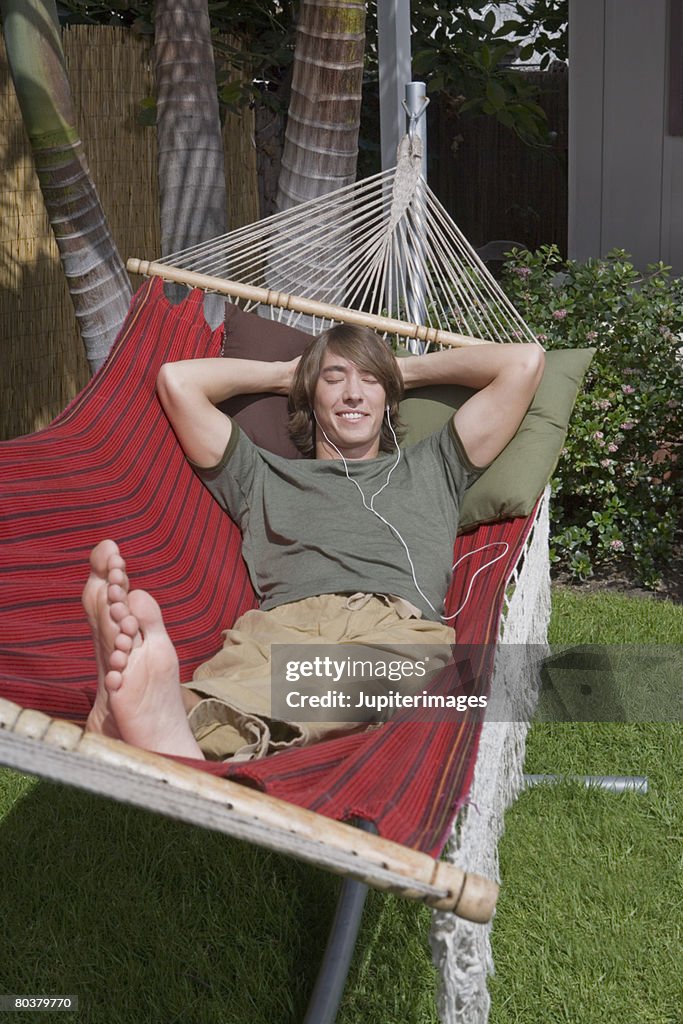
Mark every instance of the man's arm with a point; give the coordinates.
(506, 378)
(190, 390)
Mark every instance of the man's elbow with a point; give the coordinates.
(175, 392)
(169, 385)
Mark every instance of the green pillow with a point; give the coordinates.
(513, 482)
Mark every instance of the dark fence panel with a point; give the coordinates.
(494, 185)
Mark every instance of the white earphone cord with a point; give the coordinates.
(370, 507)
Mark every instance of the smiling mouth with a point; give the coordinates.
(351, 416)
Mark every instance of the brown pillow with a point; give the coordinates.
(262, 417)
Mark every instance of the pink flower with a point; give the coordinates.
(541, 337)
(628, 425)
(560, 314)
(606, 463)
(616, 545)
(612, 447)
(602, 403)
(522, 271)
(592, 336)
(628, 389)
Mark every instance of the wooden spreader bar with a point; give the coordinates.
(282, 300)
(32, 741)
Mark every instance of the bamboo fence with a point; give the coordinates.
(43, 363)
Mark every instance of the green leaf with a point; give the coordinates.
(424, 61)
(509, 28)
(231, 93)
(435, 84)
(495, 94)
(506, 118)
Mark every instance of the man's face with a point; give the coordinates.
(349, 405)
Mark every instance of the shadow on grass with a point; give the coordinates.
(145, 919)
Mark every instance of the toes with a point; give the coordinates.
(118, 660)
(118, 611)
(130, 627)
(116, 594)
(146, 610)
(116, 559)
(124, 643)
(100, 556)
(127, 623)
(113, 680)
(117, 575)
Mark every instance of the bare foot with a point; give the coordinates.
(139, 698)
(94, 595)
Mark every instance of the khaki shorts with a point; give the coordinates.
(233, 719)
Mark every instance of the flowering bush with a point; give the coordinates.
(617, 487)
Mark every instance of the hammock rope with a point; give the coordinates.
(378, 252)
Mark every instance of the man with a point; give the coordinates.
(352, 545)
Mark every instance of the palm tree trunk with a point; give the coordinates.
(321, 140)
(191, 171)
(97, 280)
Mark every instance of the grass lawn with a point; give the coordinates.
(590, 919)
(147, 920)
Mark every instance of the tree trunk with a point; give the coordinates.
(191, 171)
(321, 141)
(98, 283)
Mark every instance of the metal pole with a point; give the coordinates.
(612, 783)
(415, 106)
(331, 981)
(393, 54)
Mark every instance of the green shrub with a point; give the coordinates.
(617, 487)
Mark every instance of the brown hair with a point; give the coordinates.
(369, 352)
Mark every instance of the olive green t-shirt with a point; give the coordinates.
(307, 529)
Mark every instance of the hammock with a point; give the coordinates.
(110, 466)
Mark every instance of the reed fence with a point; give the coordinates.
(43, 364)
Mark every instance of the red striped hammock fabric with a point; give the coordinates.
(109, 466)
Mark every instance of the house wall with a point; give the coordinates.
(625, 169)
